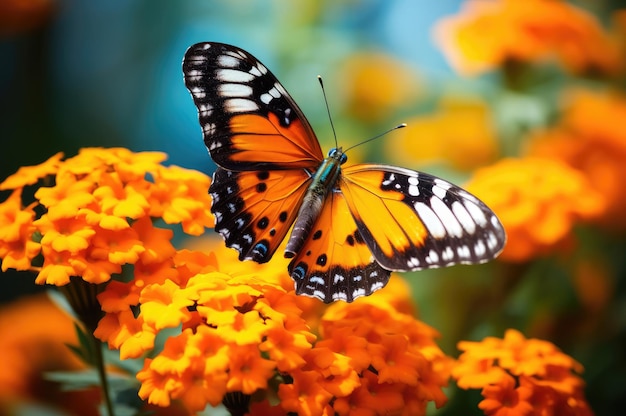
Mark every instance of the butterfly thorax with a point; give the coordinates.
(324, 181)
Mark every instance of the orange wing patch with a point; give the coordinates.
(254, 210)
(257, 138)
(335, 263)
(389, 225)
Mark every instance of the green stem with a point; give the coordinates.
(102, 374)
(83, 297)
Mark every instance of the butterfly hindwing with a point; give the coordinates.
(248, 120)
(413, 220)
(254, 210)
(335, 263)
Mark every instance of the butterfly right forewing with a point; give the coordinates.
(254, 210)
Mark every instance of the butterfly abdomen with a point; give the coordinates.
(324, 181)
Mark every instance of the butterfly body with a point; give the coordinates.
(348, 227)
(324, 182)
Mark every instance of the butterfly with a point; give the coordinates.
(348, 227)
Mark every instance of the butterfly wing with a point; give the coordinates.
(254, 210)
(264, 146)
(248, 120)
(411, 220)
(335, 263)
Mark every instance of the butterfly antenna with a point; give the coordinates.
(399, 126)
(332, 126)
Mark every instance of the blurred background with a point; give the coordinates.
(80, 74)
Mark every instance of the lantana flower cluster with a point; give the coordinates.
(96, 214)
(235, 333)
(520, 376)
(539, 201)
(244, 333)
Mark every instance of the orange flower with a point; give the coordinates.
(506, 399)
(376, 85)
(488, 34)
(17, 250)
(372, 398)
(401, 350)
(305, 396)
(247, 370)
(459, 133)
(98, 213)
(530, 376)
(232, 329)
(586, 139)
(29, 175)
(252, 337)
(538, 200)
(34, 334)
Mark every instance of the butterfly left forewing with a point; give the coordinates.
(412, 220)
(335, 263)
(248, 120)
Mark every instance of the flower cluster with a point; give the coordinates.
(538, 200)
(245, 332)
(460, 133)
(97, 214)
(587, 140)
(526, 31)
(520, 376)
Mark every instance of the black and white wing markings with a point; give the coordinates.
(461, 228)
(228, 86)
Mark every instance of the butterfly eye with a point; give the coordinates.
(337, 153)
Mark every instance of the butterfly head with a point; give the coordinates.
(338, 154)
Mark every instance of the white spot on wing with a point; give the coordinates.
(227, 61)
(479, 248)
(447, 254)
(265, 98)
(318, 280)
(233, 75)
(446, 216)
(430, 220)
(464, 217)
(477, 214)
(440, 191)
(319, 294)
(340, 296)
(235, 90)
(198, 93)
(358, 293)
(240, 105)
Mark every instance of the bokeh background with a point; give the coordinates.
(79, 74)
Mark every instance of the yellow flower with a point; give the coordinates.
(488, 34)
(529, 374)
(538, 200)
